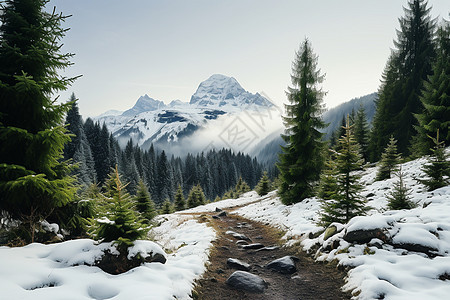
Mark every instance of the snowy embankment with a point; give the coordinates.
(412, 263)
(63, 271)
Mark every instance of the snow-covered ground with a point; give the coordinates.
(62, 271)
(387, 271)
(379, 270)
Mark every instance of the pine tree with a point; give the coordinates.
(263, 187)
(399, 197)
(389, 160)
(328, 178)
(438, 167)
(180, 203)
(33, 179)
(436, 97)
(362, 132)
(408, 67)
(241, 187)
(144, 203)
(78, 149)
(121, 224)
(196, 197)
(167, 207)
(347, 203)
(301, 161)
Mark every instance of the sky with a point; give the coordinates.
(125, 49)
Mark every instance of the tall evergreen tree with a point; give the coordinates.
(389, 160)
(78, 149)
(33, 179)
(164, 179)
(347, 202)
(362, 132)
(408, 67)
(302, 158)
(436, 97)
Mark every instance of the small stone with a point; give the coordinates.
(329, 232)
(269, 248)
(241, 242)
(223, 214)
(225, 248)
(238, 235)
(216, 217)
(258, 237)
(237, 264)
(220, 271)
(218, 209)
(284, 265)
(253, 246)
(246, 281)
(361, 236)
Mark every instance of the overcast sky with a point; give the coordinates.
(125, 49)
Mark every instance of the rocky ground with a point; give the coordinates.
(264, 269)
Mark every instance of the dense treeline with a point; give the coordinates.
(96, 151)
(412, 119)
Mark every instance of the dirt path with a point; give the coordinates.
(311, 281)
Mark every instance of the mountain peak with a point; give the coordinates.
(143, 104)
(220, 90)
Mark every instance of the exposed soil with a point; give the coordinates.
(312, 280)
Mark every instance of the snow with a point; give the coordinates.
(64, 271)
(144, 122)
(389, 272)
(414, 264)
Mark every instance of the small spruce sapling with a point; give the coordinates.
(399, 197)
(180, 203)
(196, 196)
(263, 187)
(438, 167)
(121, 224)
(348, 202)
(167, 207)
(144, 203)
(389, 160)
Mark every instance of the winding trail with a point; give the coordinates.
(311, 281)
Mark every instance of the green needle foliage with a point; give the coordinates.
(389, 160)
(167, 207)
(33, 178)
(399, 197)
(241, 187)
(438, 167)
(328, 178)
(196, 197)
(144, 203)
(263, 187)
(121, 224)
(301, 160)
(436, 97)
(180, 202)
(347, 203)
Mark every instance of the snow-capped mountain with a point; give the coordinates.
(222, 91)
(151, 121)
(144, 103)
